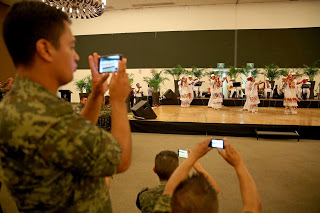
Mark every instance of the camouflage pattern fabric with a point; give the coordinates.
(148, 198)
(52, 159)
(78, 108)
(105, 111)
(163, 204)
(104, 120)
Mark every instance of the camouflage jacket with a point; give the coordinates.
(148, 197)
(52, 159)
(78, 108)
(163, 204)
(105, 111)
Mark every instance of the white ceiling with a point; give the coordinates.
(132, 4)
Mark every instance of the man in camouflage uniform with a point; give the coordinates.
(194, 194)
(165, 164)
(104, 120)
(80, 106)
(52, 159)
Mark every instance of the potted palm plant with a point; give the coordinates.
(312, 72)
(88, 81)
(272, 72)
(80, 86)
(233, 72)
(214, 73)
(176, 72)
(197, 72)
(155, 82)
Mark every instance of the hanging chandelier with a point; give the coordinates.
(79, 8)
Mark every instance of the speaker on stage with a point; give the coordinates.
(143, 109)
(170, 94)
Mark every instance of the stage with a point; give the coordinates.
(310, 103)
(229, 121)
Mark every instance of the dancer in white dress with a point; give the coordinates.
(184, 93)
(247, 87)
(190, 87)
(290, 100)
(253, 95)
(216, 97)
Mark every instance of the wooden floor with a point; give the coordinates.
(235, 115)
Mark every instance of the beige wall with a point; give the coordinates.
(243, 16)
(270, 15)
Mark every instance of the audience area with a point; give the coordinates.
(286, 172)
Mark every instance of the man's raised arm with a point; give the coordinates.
(249, 192)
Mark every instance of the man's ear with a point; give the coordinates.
(44, 49)
(154, 169)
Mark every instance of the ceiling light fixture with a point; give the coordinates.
(79, 8)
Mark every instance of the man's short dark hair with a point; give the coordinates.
(82, 97)
(165, 164)
(26, 23)
(193, 195)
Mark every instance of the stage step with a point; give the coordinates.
(274, 134)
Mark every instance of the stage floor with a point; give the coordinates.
(229, 121)
(235, 115)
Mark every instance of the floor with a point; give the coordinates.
(286, 172)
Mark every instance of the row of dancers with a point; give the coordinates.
(251, 91)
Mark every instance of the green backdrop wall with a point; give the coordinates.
(284, 47)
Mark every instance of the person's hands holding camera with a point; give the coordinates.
(200, 149)
(120, 84)
(9, 84)
(99, 82)
(231, 155)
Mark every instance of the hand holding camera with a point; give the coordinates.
(231, 155)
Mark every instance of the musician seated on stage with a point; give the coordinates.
(233, 91)
(278, 93)
(267, 89)
(306, 85)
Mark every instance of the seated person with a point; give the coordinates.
(194, 194)
(80, 106)
(306, 91)
(104, 120)
(268, 89)
(165, 164)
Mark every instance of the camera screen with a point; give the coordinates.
(217, 143)
(109, 63)
(182, 153)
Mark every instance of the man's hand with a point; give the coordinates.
(200, 149)
(249, 192)
(231, 155)
(181, 173)
(120, 84)
(99, 81)
(9, 84)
